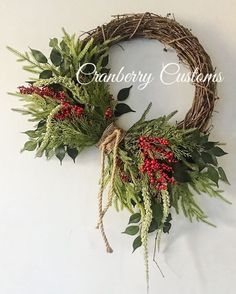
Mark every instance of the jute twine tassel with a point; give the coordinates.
(109, 142)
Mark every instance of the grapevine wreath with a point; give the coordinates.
(150, 168)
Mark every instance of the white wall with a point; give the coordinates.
(48, 241)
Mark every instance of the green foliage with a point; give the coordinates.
(66, 56)
(58, 72)
(123, 94)
(122, 108)
(196, 172)
(135, 218)
(181, 141)
(131, 230)
(137, 243)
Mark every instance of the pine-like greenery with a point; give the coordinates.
(59, 72)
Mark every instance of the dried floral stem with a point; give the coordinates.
(48, 129)
(146, 222)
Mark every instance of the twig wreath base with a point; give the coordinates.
(154, 167)
(190, 52)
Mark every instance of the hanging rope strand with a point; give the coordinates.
(110, 143)
(111, 189)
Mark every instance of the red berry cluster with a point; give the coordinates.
(157, 161)
(68, 110)
(108, 113)
(43, 92)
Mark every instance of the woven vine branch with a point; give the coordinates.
(189, 51)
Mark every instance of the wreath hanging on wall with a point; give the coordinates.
(152, 167)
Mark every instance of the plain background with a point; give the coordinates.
(48, 241)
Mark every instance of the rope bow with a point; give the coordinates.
(109, 142)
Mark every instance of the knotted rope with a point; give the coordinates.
(109, 142)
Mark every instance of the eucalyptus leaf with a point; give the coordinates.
(41, 124)
(131, 230)
(56, 57)
(46, 74)
(157, 212)
(137, 243)
(29, 146)
(31, 133)
(53, 42)
(65, 66)
(222, 174)
(207, 157)
(39, 56)
(122, 108)
(105, 70)
(64, 47)
(123, 94)
(105, 61)
(209, 145)
(166, 227)
(213, 174)
(60, 152)
(217, 151)
(153, 226)
(181, 173)
(135, 218)
(72, 152)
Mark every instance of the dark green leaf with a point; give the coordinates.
(135, 218)
(105, 61)
(53, 42)
(72, 152)
(181, 173)
(137, 243)
(105, 70)
(196, 136)
(41, 124)
(223, 176)
(131, 230)
(122, 108)
(29, 146)
(213, 174)
(153, 226)
(60, 152)
(217, 151)
(39, 56)
(166, 227)
(31, 134)
(195, 155)
(207, 158)
(204, 138)
(64, 47)
(46, 74)
(56, 57)
(123, 94)
(215, 161)
(157, 212)
(169, 218)
(65, 66)
(209, 145)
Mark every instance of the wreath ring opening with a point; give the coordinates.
(188, 48)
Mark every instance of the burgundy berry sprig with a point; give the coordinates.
(157, 161)
(43, 92)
